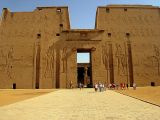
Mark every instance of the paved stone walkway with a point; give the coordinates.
(80, 105)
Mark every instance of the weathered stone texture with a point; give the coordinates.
(38, 49)
(22, 37)
(142, 23)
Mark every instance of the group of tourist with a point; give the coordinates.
(100, 87)
(122, 86)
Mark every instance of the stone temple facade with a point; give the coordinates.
(38, 49)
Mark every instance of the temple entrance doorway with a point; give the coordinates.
(84, 68)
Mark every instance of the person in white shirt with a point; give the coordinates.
(134, 86)
(96, 87)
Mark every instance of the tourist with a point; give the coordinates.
(100, 87)
(110, 86)
(121, 86)
(105, 87)
(117, 86)
(124, 86)
(134, 86)
(96, 87)
(114, 86)
(127, 85)
(71, 84)
(80, 85)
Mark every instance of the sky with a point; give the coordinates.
(82, 12)
(83, 57)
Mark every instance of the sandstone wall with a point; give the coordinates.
(27, 44)
(17, 37)
(53, 21)
(38, 49)
(74, 40)
(142, 25)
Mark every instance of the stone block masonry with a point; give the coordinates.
(38, 49)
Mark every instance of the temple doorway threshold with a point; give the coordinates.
(84, 69)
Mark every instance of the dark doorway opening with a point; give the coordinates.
(14, 85)
(81, 75)
(152, 83)
(84, 68)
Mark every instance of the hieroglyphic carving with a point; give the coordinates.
(156, 58)
(121, 58)
(107, 52)
(6, 63)
(151, 62)
(105, 58)
(49, 62)
(64, 59)
(105, 55)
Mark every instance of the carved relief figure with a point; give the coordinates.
(105, 58)
(105, 55)
(9, 62)
(121, 58)
(7, 66)
(64, 59)
(156, 58)
(49, 62)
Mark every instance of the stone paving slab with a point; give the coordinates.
(78, 104)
